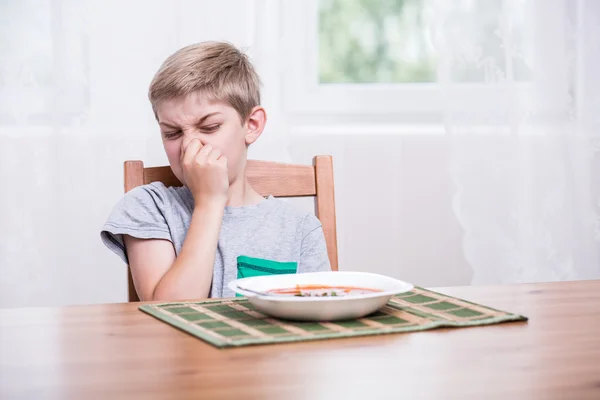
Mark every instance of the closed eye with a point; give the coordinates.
(171, 135)
(211, 128)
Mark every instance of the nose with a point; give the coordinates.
(192, 133)
(188, 137)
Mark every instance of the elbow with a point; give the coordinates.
(161, 293)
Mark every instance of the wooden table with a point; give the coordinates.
(115, 351)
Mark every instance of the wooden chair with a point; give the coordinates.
(267, 178)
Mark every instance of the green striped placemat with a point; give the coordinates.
(235, 322)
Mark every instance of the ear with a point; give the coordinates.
(255, 124)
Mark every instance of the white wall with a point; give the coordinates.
(394, 205)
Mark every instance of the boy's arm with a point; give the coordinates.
(159, 275)
(157, 272)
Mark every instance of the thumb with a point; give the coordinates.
(184, 143)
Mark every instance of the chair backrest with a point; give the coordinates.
(267, 178)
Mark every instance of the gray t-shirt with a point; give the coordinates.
(272, 230)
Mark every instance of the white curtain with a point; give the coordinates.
(74, 76)
(521, 117)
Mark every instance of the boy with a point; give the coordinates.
(190, 242)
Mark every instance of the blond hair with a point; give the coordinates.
(217, 69)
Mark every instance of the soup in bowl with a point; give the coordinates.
(319, 296)
(323, 291)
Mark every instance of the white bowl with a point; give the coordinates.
(320, 308)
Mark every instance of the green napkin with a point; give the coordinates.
(248, 267)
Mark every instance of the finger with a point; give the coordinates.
(214, 155)
(192, 149)
(202, 155)
(187, 139)
(223, 161)
(184, 143)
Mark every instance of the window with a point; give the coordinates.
(390, 56)
(374, 41)
(391, 41)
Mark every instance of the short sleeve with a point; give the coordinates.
(313, 256)
(139, 214)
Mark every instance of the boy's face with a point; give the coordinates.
(214, 123)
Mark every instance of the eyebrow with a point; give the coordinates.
(201, 120)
